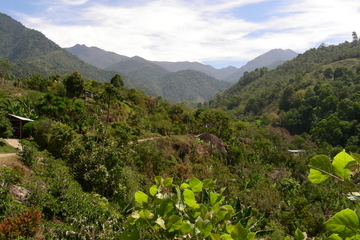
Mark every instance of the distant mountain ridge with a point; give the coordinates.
(207, 69)
(30, 52)
(271, 60)
(141, 69)
(96, 56)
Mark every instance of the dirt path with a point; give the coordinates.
(7, 154)
(14, 143)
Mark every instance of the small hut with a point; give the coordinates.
(17, 123)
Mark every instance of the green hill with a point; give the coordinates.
(30, 52)
(190, 85)
(144, 71)
(265, 87)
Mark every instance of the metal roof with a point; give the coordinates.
(296, 151)
(20, 118)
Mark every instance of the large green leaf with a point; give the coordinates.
(239, 232)
(174, 223)
(299, 235)
(141, 197)
(356, 237)
(215, 236)
(186, 227)
(209, 184)
(196, 185)
(145, 214)
(189, 198)
(215, 198)
(341, 160)
(204, 226)
(158, 180)
(344, 223)
(334, 237)
(320, 169)
(168, 182)
(153, 190)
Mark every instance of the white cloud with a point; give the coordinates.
(176, 30)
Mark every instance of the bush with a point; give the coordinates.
(26, 224)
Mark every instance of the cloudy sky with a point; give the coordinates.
(215, 32)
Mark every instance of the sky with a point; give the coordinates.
(215, 32)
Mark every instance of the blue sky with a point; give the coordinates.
(215, 32)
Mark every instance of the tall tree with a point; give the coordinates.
(355, 36)
(117, 81)
(74, 84)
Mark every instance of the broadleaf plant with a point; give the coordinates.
(346, 223)
(192, 210)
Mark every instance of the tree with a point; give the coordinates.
(355, 37)
(5, 67)
(216, 122)
(5, 126)
(117, 81)
(286, 99)
(328, 73)
(74, 84)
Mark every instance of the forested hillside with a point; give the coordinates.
(316, 95)
(191, 86)
(143, 70)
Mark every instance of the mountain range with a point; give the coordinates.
(29, 52)
(110, 60)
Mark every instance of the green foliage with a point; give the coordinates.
(29, 153)
(344, 224)
(56, 137)
(322, 168)
(215, 122)
(23, 107)
(117, 81)
(192, 209)
(5, 126)
(5, 69)
(74, 84)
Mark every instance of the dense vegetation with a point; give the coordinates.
(314, 96)
(89, 166)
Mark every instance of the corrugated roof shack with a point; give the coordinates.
(296, 153)
(17, 123)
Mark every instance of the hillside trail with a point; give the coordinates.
(14, 143)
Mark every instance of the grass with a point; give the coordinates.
(6, 148)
